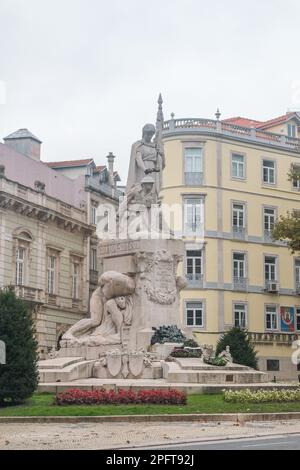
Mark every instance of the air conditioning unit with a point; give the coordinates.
(272, 286)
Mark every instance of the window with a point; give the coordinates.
(239, 265)
(271, 317)
(298, 318)
(238, 215)
(240, 317)
(194, 265)
(292, 130)
(270, 268)
(193, 162)
(75, 280)
(20, 266)
(269, 219)
(51, 274)
(273, 365)
(194, 314)
(193, 209)
(269, 171)
(93, 259)
(93, 215)
(238, 166)
(296, 181)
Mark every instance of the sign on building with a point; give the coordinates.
(287, 319)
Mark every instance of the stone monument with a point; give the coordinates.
(139, 288)
(138, 291)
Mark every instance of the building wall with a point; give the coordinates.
(219, 190)
(54, 235)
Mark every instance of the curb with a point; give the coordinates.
(201, 418)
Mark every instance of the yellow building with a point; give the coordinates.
(230, 179)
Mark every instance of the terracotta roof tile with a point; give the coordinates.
(70, 163)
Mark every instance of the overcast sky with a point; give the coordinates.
(84, 75)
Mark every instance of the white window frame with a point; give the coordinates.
(20, 265)
(292, 130)
(196, 262)
(194, 227)
(268, 217)
(238, 212)
(189, 307)
(238, 167)
(240, 311)
(269, 172)
(193, 165)
(237, 264)
(296, 182)
(273, 317)
(272, 277)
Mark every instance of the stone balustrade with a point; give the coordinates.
(196, 125)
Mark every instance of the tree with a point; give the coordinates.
(241, 348)
(19, 376)
(287, 228)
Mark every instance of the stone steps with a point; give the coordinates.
(197, 364)
(73, 371)
(172, 372)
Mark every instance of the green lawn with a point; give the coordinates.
(42, 405)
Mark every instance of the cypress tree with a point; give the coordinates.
(241, 348)
(19, 376)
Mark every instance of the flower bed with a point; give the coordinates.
(127, 397)
(262, 396)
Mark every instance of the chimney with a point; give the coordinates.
(110, 158)
(23, 141)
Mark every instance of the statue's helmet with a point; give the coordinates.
(149, 128)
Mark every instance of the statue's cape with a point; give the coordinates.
(132, 172)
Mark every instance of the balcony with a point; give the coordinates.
(29, 294)
(193, 179)
(194, 280)
(272, 338)
(225, 129)
(238, 233)
(240, 283)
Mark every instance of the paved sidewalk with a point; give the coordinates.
(106, 436)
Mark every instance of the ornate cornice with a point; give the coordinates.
(43, 214)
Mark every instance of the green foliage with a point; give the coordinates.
(241, 348)
(181, 352)
(287, 229)
(262, 396)
(190, 343)
(216, 361)
(167, 334)
(19, 376)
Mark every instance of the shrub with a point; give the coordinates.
(19, 376)
(241, 348)
(167, 334)
(216, 361)
(121, 397)
(262, 396)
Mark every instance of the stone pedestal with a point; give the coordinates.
(153, 264)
